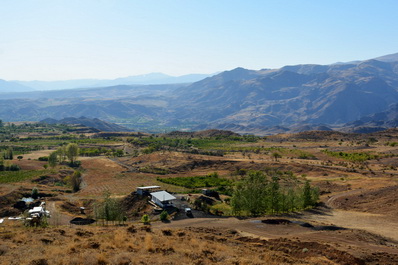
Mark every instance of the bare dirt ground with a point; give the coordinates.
(357, 223)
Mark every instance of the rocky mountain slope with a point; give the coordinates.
(268, 100)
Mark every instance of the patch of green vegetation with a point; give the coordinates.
(260, 193)
(353, 157)
(17, 176)
(210, 180)
(392, 144)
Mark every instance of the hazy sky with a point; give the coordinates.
(71, 39)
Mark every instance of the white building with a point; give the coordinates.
(162, 198)
(147, 189)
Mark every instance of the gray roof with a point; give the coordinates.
(163, 196)
(148, 187)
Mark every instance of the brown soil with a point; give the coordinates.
(192, 245)
(379, 201)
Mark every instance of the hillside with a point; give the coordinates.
(91, 123)
(292, 98)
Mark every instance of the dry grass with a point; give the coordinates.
(115, 245)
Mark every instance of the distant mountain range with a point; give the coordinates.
(359, 95)
(148, 79)
(7, 86)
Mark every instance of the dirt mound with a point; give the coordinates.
(379, 201)
(70, 207)
(82, 221)
(9, 200)
(135, 205)
(326, 187)
(364, 236)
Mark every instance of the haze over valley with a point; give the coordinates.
(343, 96)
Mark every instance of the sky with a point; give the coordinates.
(105, 39)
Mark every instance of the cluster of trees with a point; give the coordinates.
(70, 152)
(353, 157)
(101, 151)
(8, 154)
(110, 209)
(7, 166)
(259, 194)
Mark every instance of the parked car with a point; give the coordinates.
(188, 212)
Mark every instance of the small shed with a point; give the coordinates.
(162, 198)
(146, 190)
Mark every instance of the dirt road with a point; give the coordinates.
(57, 217)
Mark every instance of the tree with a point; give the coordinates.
(276, 155)
(164, 216)
(19, 157)
(35, 193)
(310, 195)
(72, 152)
(52, 159)
(1, 123)
(145, 219)
(258, 194)
(8, 154)
(110, 209)
(76, 180)
(274, 195)
(251, 194)
(61, 152)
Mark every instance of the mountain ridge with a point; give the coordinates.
(301, 96)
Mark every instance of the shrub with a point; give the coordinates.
(76, 180)
(145, 219)
(35, 193)
(164, 216)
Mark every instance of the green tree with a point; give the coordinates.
(276, 156)
(61, 152)
(110, 209)
(307, 195)
(35, 193)
(145, 219)
(52, 159)
(72, 152)
(164, 216)
(8, 154)
(1, 163)
(274, 195)
(250, 195)
(76, 180)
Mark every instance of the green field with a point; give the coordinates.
(17, 176)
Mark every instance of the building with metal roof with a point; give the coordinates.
(162, 198)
